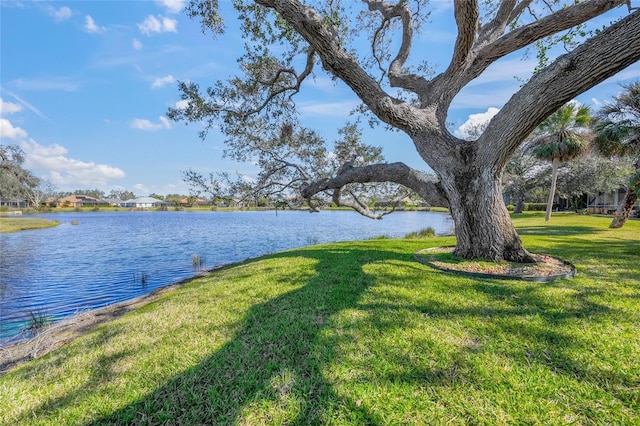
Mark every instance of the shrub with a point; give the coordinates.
(535, 207)
(439, 209)
(511, 207)
(380, 237)
(427, 232)
(38, 321)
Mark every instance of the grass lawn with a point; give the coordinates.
(360, 333)
(12, 224)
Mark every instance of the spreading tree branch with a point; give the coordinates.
(424, 185)
(592, 62)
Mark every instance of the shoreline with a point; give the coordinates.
(74, 326)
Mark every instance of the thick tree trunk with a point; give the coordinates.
(519, 207)
(552, 191)
(483, 226)
(624, 210)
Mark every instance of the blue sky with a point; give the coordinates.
(85, 86)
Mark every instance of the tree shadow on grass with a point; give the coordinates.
(274, 369)
(273, 361)
(275, 364)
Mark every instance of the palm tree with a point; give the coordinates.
(618, 134)
(563, 136)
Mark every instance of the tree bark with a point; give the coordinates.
(624, 210)
(552, 191)
(482, 222)
(519, 207)
(399, 173)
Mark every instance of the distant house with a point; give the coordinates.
(80, 201)
(113, 202)
(227, 202)
(194, 202)
(237, 202)
(144, 202)
(607, 202)
(14, 202)
(51, 201)
(398, 204)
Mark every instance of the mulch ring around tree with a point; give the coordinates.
(546, 268)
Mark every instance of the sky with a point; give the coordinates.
(85, 87)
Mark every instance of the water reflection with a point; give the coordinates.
(111, 257)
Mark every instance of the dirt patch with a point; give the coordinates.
(546, 268)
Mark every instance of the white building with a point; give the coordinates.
(143, 203)
(607, 202)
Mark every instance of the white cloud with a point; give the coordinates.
(91, 27)
(325, 84)
(142, 124)
(26, 104)
(155, 25)
(165, 122)
(8, 131)
(435, 36)
(331, 109)
(142, 188)
(163, 81)
(137, 44)
(506, 71)
(63, 170)
(39, 84)
(9, 107)
(443, 6)
(475, 98)
(61, 14)
(182, 104)
(172, 6)
(475, 124)
(629, 73)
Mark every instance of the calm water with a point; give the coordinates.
(111, 257)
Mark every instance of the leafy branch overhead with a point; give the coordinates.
(287, 42)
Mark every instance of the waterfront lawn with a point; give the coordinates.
(13, 224)
(360, 333)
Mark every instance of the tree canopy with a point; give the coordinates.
(618, 134)
(288, 41)
(16, 182)
(564, 135)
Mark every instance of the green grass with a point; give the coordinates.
(10, 224)
(360, 333)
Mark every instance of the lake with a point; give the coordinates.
(109, 257)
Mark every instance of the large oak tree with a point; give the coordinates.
(287, 41)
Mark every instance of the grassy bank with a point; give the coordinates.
(359, 333)
(12, 224)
